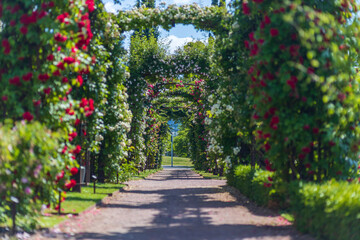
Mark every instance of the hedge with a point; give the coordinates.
(251, 182)
(328, 211)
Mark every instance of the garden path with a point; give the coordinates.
(177, 204)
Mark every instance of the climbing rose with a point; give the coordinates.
(91, 5)
(74, 171)
(80, 80)
(15, 81)
(50, 57)
(24, 30)
(28, 116)
(43, 77)
(267, 20)
(70, 184)
(274, 32)
(77, 150)
(60, 38)
(27, 77)
(77, 122)
(6, 45)
(246, 9)
(47, 91)
(69, 60)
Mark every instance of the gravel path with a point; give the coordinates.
(177, 204)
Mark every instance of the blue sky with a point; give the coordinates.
(180, 34)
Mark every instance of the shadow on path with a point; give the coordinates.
(180, 205)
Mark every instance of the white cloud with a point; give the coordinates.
(176, 42)
(111, 7)
(181, 2)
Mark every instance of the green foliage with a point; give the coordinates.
(305, 87)
(29, 163)
(202, 18)
(327, 211)
(252, 182)
(181, 143)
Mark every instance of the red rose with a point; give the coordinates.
(36, 103)
(91, 5)
(267, 20)
(77, 122)
(60, 66)
(24, 30)
(56, 73)
(70, 184)
(28, 116)
(274, 32)
(84, 102)
(315, 130)
(6, 45)
(43, 77)
(267, 147)
(4, 98)
(12, 23)
(74, 171)
(246, 9)
(294, 50)
(50, 57)
(15, 81)
(47, 91)
(63, 151)
(27, 20)
(306, 150)
(80, 80)
(62, 17)
(27, 77)
(247, 45)
(72, 136)
(69, 60)
(292, 82)
(60, 38)
(51, 4)
(77, 149)
(65, 80)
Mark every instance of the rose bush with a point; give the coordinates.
(305, 88)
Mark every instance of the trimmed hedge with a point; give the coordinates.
(250, 182)
(328, 211)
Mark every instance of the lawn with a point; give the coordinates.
(78, 202)
(208, 175)
(178, 161)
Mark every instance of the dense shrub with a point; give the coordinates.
(252, 182)
(29, 163)
(328, 211)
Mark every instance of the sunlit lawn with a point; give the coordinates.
(208, 175)
(178, 161)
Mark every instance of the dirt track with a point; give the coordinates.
(177, 205)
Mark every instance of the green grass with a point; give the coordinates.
(208, 175)
(178, 161)
(78, 202)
